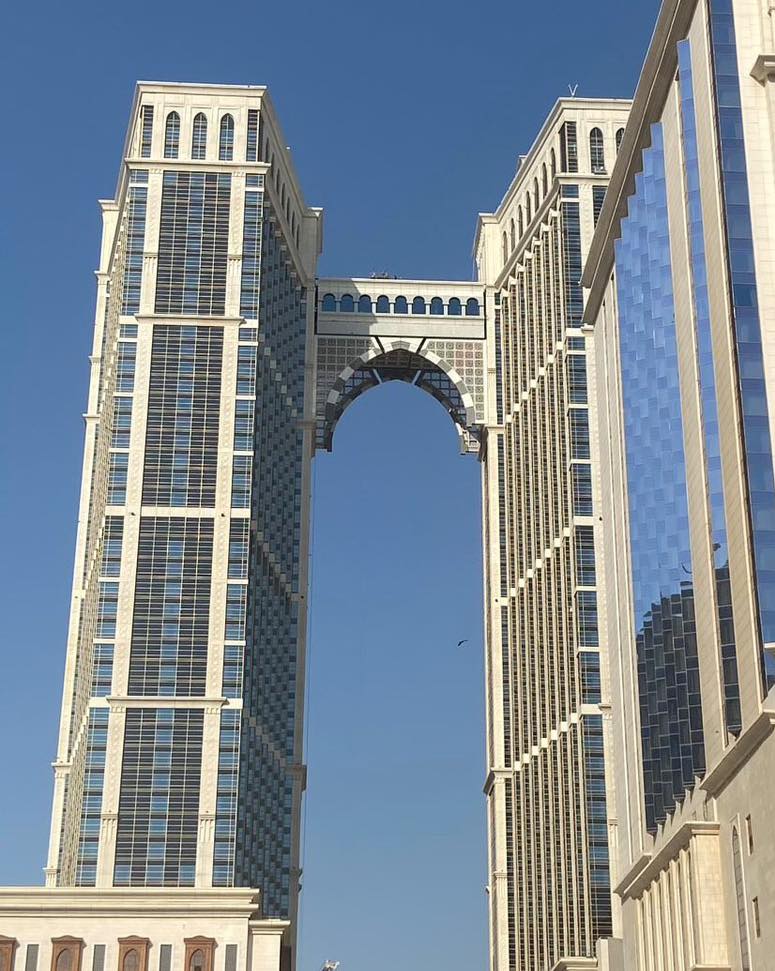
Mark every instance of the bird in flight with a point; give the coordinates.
(464, 641)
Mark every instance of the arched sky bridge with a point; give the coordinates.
(428, 333)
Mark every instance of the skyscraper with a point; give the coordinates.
(549, 727)
(680, 304)
(220, 364)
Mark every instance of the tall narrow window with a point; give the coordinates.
(8, 947)
(619, 137)
(147, 131)
(133, 953)
(545, 178)
(172, 135)
(199, 137)
(553, 160)
(742, 919)
(520, 222)
(251, 150)
(226, 139)
(199, 954)
(512, 234)
(596, 151)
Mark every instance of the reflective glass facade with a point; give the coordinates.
(705, 367)
(744, 307)
(671, 713)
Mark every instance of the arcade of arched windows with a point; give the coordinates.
(530, 203)
(419, 306)
(199, 145)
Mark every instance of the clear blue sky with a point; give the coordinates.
(405, 120)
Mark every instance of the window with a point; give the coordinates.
(472, 307)
(598, 198)
(596, 151)
(742, 920)
(193, 243)
(536, 196)
(504, 248)
(383, 305)
(418, 305)
(329, 304)
(749, 834)
(226, 139)
(172, 135)
(521, 222)
(133, 954)
(400, 306)
(66, 954)
(454, 307)
(544, 178)
(347, 303)
(364, 304)
(146, 136)
(619, 137)
(437, 306)
(8, 947)
(199, 954)
(528, 210)
(199, 137)
(251, 148)
(512, 235)
(553, 162)
(757, 924)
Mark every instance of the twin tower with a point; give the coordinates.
(221, 363)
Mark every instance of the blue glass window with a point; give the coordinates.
(226, 139)
(383, 305)
(199, 137)
(172, 135)
(400, 306)
(329, 304)
(664, 628)
(454, 308)
(709, 412)
(745, 318)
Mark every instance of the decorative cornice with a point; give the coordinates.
(739, 753)
(764, 68)
(650, 865)
(121, 702)
(141, 901)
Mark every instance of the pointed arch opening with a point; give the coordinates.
(423, 370)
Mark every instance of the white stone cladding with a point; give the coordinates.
(546, 909)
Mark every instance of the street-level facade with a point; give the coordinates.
(680, 305)
(548, 725)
